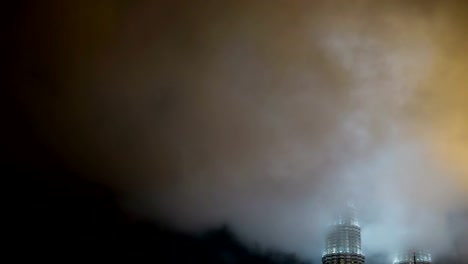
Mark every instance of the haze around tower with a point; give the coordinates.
(265, 116)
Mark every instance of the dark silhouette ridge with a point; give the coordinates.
(62, 215)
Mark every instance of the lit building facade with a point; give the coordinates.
(343, 243)
(409, 257)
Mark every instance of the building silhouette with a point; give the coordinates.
(413, 257)
(343, 242)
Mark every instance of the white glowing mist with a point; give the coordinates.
(267, 117)
(403, 198)
(319, 142)
(403, 195)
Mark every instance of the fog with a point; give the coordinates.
(265, 116)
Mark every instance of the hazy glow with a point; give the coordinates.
(408, 257)
(267, 116)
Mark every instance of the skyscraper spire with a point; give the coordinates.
(413, 256)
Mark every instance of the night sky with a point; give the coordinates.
(265, 116)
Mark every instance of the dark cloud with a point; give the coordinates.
(261, 115)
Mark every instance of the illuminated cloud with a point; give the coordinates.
(267, 116)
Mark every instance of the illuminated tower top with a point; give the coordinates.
(343, 243)
(409, 257)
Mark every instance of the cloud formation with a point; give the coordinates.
(265, 116)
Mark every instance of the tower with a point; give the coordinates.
(413, 256)
(343, 243)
